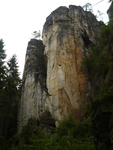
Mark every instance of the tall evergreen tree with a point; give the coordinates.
(2, 60)
(12, 89)
(9, 100)
(2, 82)
(2, 51)
(99, 66)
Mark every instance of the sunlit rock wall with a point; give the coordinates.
(34, 97)
(67, 35)
(52, 80)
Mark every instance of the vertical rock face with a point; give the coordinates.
(67, 35)
(34, 95)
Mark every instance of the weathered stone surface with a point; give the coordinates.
(47, 122)
(61, 88)
(67, 34)
(34, 98)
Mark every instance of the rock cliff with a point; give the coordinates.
(67, 35)
(34, 95)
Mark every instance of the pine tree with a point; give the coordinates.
(12, 89)
(2, 83)
(2, 66)
(9, 100)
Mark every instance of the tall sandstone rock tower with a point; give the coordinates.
(52, 78)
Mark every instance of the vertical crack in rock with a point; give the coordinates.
(59, 87)
(34, 98)
(67, 35)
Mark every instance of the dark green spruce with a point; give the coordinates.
(99, 110)
(9, 94)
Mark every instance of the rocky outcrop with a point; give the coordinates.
(67, 35)
(34, 96)
(47, 122)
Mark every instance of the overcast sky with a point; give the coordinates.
(19, 18)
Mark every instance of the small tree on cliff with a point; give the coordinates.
(36, 35)
(88, 7)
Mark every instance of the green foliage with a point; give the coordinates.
(9, 94)
(69, 135)
(99, 109)
(30, 139)
(99, 61)
(2, 51)
(2, 66)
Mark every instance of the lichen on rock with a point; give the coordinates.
(34, 96)
(67, 35)
(52, 79)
